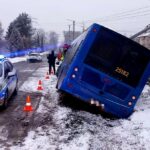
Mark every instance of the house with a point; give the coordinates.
(144, 39)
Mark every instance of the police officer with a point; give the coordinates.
(51, 61)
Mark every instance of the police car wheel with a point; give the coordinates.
(5, 104)
(16, 89)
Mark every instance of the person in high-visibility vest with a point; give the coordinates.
(59, 55)
(62, 57)
(65, 49)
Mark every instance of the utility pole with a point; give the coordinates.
(73, 30)
(83, 27)
(69, 34)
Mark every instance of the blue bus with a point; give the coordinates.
(106, 69)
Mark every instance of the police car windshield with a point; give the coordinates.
(1, 70)
(34, 54)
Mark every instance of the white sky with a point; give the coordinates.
(53, 14)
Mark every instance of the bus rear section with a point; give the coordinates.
(107, 70)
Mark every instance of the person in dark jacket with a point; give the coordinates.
(51, 61)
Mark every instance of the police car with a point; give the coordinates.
(8, 81)
(34, 57)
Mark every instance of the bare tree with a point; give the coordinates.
(53, 39)
(1, 31)
(39, 38)
(3, 43)
(68, 36)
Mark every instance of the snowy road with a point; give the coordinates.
(58, 124)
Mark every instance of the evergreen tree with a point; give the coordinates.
(21, 27)
(10, 28)
(15, 40)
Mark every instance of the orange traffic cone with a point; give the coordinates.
(40, 86)
(52, 72)
(47, 76)
(28, 106)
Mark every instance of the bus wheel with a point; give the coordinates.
(57, 85)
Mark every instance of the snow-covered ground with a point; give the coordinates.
(67, 129)
(17, 59)
(23, 58)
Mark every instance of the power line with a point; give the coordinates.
(129, 14)
(126, 12)
(122, 14)
(128, 17)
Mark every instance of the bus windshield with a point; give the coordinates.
(117, 57)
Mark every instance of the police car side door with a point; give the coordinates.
(13, 76)
(8, 80)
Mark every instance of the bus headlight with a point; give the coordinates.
(73, 76)
(97, 103)
(92, 102)
(76, 69)
(129, 103)
(133, 97)
(103, 106)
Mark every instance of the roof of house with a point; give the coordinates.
(145, 34)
